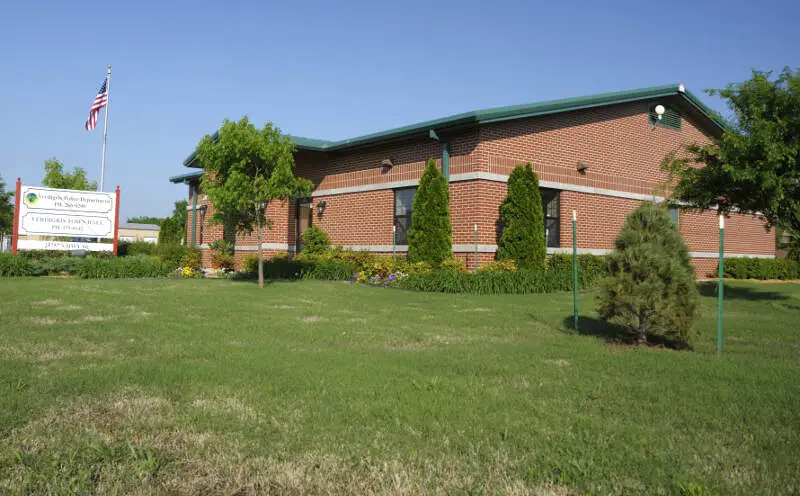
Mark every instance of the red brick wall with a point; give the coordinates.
(358, 218)
(617, 142)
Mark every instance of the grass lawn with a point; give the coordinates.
(199, 386)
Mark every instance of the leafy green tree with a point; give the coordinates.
(55, 177)
(247, 169)
(650, 288)
(173, 228)
(6, 209)
(430, 237)
(753, 165)
(522, 238)
(145, 219)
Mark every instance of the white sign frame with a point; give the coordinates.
(65, 213)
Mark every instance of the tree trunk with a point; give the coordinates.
(260, 255)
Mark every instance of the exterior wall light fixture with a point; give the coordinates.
(321, 206)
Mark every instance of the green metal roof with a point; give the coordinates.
(185, 178)
(499, 114)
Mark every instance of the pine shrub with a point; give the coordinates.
(430, 236)
(651, 288)
(522, 219)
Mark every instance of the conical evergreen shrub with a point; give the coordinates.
(651, 289)
(522, 218)
(430, 236)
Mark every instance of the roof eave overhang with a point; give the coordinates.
(473, 119)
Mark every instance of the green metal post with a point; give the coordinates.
(194, 216)
(721, 285)
(575, 267)
(394, 242)
(475, 260)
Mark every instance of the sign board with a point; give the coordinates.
(63, 212)
(36, 244)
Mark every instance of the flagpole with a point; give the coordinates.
(105, 130)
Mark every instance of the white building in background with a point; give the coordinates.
(131, 232)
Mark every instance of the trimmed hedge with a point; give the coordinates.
(16, 266)
(86, 268)
(485, 283)
(762, 268)
(283, 268)
(137, 267)
(591, 268)
(130, 248)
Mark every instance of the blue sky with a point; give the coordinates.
(335, 70)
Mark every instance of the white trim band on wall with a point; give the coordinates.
(487, 176)
(467, 248)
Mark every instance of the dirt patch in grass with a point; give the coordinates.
(283, 307)
(559, 362)
(227, 406)
(45, 321)
(313, 318)
(69, 308)
(358, 319)
(476, 309)
(47, 302)
(94, 318)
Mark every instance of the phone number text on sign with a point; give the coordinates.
(65, 225)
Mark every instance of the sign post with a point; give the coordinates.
(575, 267)
(116, 210)
(394, 242)
(721, 284)
(15, 236)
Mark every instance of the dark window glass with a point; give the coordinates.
(675, 214)
(552, 225)
(403, 200)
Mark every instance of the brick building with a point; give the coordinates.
(599, 155)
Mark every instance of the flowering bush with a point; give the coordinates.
(455, 264)
(222, 254)
(189, 272)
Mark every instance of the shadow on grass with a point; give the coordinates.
(613, 333)
(709, 289)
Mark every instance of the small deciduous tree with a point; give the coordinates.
(650, 288)
(173, 228)
(55, 177)
(246, 169)
(754, 166)
(430, 237)
(522, 219)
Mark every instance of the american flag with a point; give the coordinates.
(100, 101)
